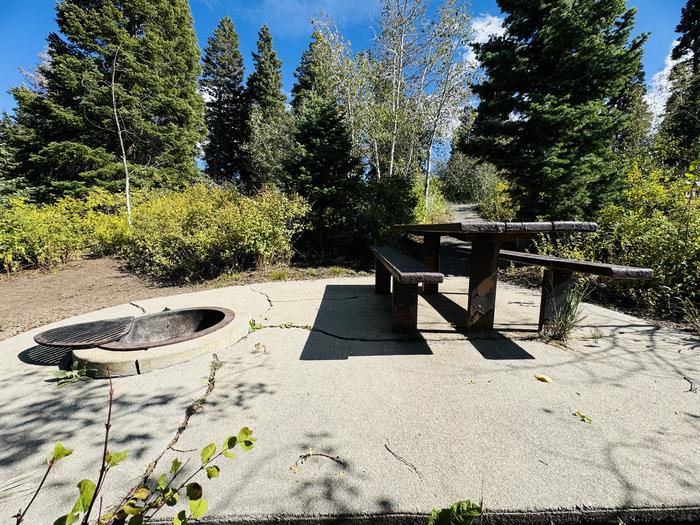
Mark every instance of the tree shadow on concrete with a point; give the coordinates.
(357, 328)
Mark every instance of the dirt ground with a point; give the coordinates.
(37, 297)
(33, 298)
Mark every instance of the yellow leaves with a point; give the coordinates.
(544, 378)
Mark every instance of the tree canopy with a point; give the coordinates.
(138, 58)
(546, 116)
(222, 83)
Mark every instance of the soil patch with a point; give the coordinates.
(37, 297)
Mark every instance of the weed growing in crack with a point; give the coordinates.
(254, 326)
(566, 318)
(461, 513)
(78, 372)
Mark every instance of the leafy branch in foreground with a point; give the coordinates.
(144, 502)
(59, 452)
(461, 513)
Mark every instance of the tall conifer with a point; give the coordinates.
(67, 139)
(681, 125)
(222, 82)
(546, 115)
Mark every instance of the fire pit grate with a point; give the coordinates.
(86, 335)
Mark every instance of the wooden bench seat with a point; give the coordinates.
(557, 280)
(393, 269)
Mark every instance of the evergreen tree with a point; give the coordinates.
(681, 125)
(546, 117)
(313, 74)
(222, 81)
(138, 58)
(264, 86)
(323, 169)
(268, 124)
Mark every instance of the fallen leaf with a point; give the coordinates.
(582, 417)
(543, 378)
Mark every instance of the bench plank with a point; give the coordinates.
(574, 265)
(405, 269)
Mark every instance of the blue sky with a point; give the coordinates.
(24, 25)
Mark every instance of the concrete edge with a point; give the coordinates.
(643, 515)
(135, 362)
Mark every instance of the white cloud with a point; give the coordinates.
(483, 27)
(660, 89)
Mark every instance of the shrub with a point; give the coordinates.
(201, 232)
(42, 236)
(435, 209)
(495, 203)
(466, 179)
(656, 225)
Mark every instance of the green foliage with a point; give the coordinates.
(78, 372)
(566, 318)
(461, 513)
(385, 202)
(264, 85)
(326, 173)
(656, 225)
(548, 116)
(681, 125)
(144, 502)
(222, 81)
(202, 232)
(65, 138)
(496, 203)
(435, 209)
(464, 179)
(268, 149)
(691, 314)
(59, 452)
(41, 236)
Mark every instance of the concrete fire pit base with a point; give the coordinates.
(132, 362)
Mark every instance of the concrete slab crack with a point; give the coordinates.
(192, 409)
(342, 337)
(143, 310)
(402, 460)
(269, 301)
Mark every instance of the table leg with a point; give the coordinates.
(483, 276)
(556, 287)
(431, 258)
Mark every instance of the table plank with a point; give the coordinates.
(497, 227)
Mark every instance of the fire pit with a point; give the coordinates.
(170, 327)
(128, 345)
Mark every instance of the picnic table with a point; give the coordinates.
(486, 238)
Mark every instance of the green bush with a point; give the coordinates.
(201, 232)
(466, 179)
(435, 209)
(656, 225)
(42, 236)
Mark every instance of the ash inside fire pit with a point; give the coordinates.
(170, 327)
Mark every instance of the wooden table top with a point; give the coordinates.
(498, 228)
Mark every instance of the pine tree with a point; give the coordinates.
(324, 169)
(681, 125)
(268, 124)
(264, 86)
(546, 117)
(222, 81)
(138, 58)
(313, 74)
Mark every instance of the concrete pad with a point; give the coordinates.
(418, 424)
